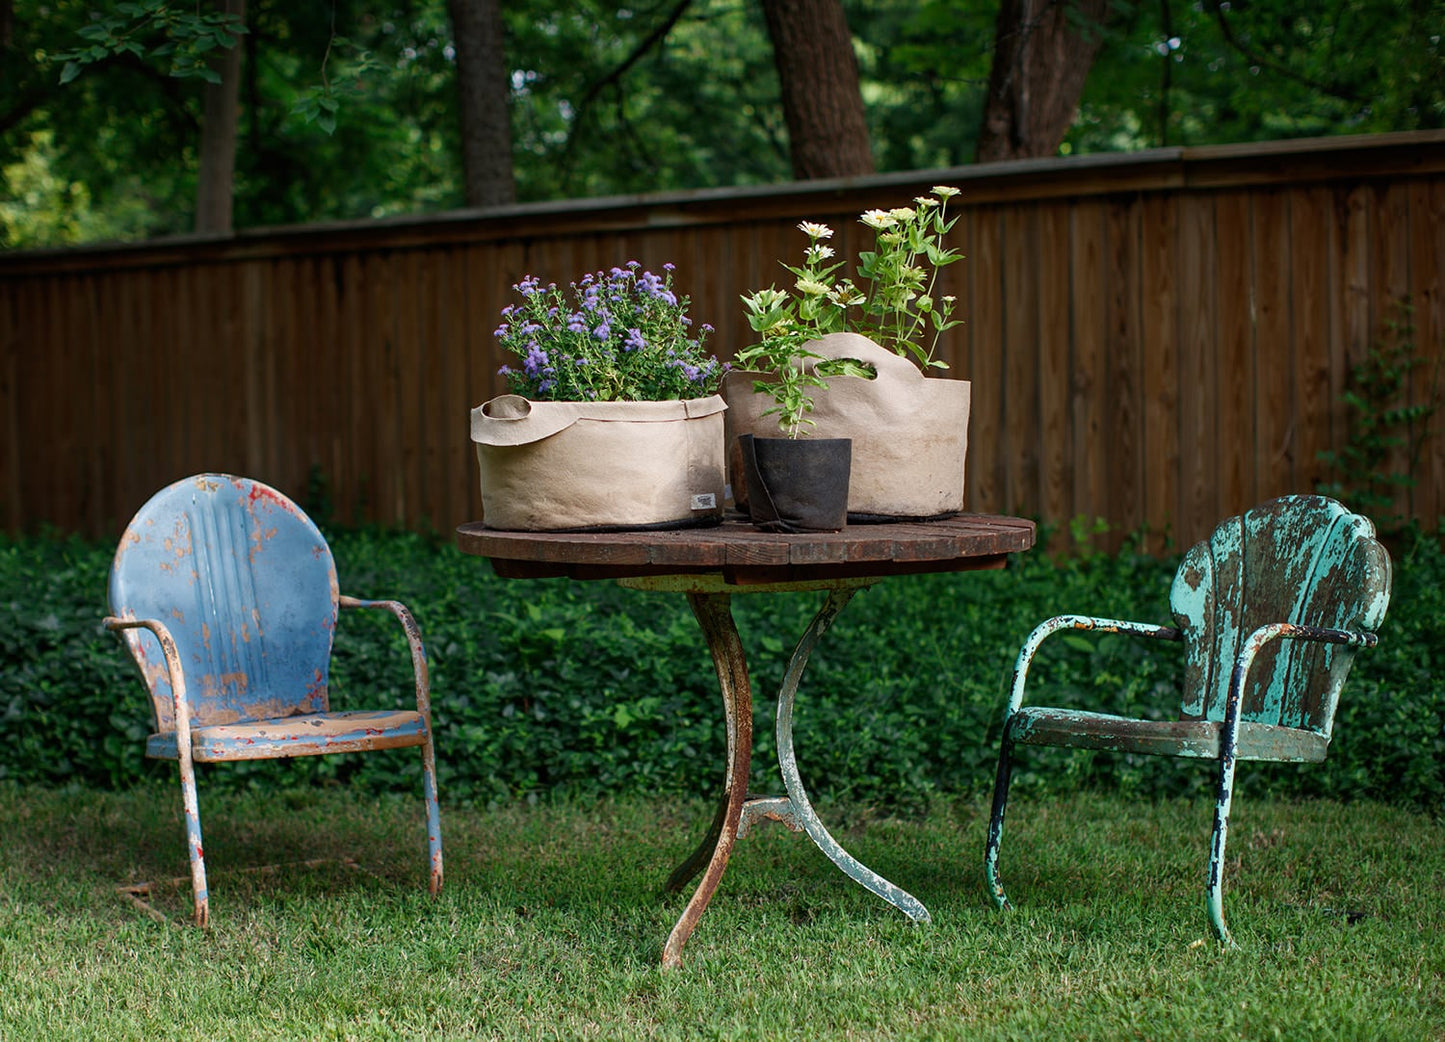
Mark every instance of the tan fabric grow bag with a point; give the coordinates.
(910, 432)
(557, 466)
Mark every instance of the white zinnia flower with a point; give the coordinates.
(878, 219)
(815, 231)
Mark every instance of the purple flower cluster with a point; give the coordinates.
(619, 334)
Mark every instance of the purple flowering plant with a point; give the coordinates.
(618, 335)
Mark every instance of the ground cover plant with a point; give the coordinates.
(550, 687)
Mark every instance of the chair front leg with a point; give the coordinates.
(995, 825)
(428, 750)
(1229, 743)
(190, 805)
(433, 814)
(1015, 702)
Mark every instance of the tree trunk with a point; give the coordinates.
(482, 83)
(215, 191)
(823, 107)
(1043, 50)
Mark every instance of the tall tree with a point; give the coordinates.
(482, 91)
(818, 74)
(1043, 51)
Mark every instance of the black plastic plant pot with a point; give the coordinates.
(797, 485)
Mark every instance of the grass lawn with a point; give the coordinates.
(551, 923)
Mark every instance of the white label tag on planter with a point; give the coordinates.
(705, 501)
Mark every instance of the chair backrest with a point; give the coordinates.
(1299, 559)
(245, 584)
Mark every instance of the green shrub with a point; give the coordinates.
(550, 686)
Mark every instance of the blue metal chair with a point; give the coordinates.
(1271, 610)
(225, 594)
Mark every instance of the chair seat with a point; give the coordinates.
(306, 735)
(1041, 725)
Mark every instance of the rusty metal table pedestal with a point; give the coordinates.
(710, 566)
(711, 602)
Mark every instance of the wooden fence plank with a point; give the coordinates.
(1427, 296)
(1197, 317)
(406, 456)
(348, 474)
(127, 379)
(382, 392)
(41, 365)
(12, 512)
(987, 457)
(1309, 291)
(103, 514)
(1021, 359)
(1055, 395)
(1123, 441)
(1275, 447)
(1090, 377)
(1359, 226)
(1159, 366)
(1236, 346)
(1390, 289)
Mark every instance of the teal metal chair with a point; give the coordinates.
(1271, 609)
(226, 596)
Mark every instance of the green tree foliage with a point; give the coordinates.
(349, 108)
(605, 105)
(924, 68)
(1219, 71)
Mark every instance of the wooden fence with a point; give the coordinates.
(1158, 339)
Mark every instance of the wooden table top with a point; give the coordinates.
(743, 555)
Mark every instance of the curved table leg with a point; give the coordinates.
(698, 859)
(714, 615)
(803, 809)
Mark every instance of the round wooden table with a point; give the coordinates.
(709, 566)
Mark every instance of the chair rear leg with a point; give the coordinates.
(191, 806)
(995, 824)
(433, 816)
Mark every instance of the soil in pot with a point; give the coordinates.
(797, 485)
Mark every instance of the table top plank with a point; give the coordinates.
(744, 554)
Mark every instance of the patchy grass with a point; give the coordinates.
(552, 922)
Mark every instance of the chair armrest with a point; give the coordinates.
(413, 640)
(1075, 622)
(1254, 644)
(173, 670)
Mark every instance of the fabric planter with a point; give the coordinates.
(570, 466)
(909, 432)
(796, 485)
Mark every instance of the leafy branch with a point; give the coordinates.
(154, 29)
